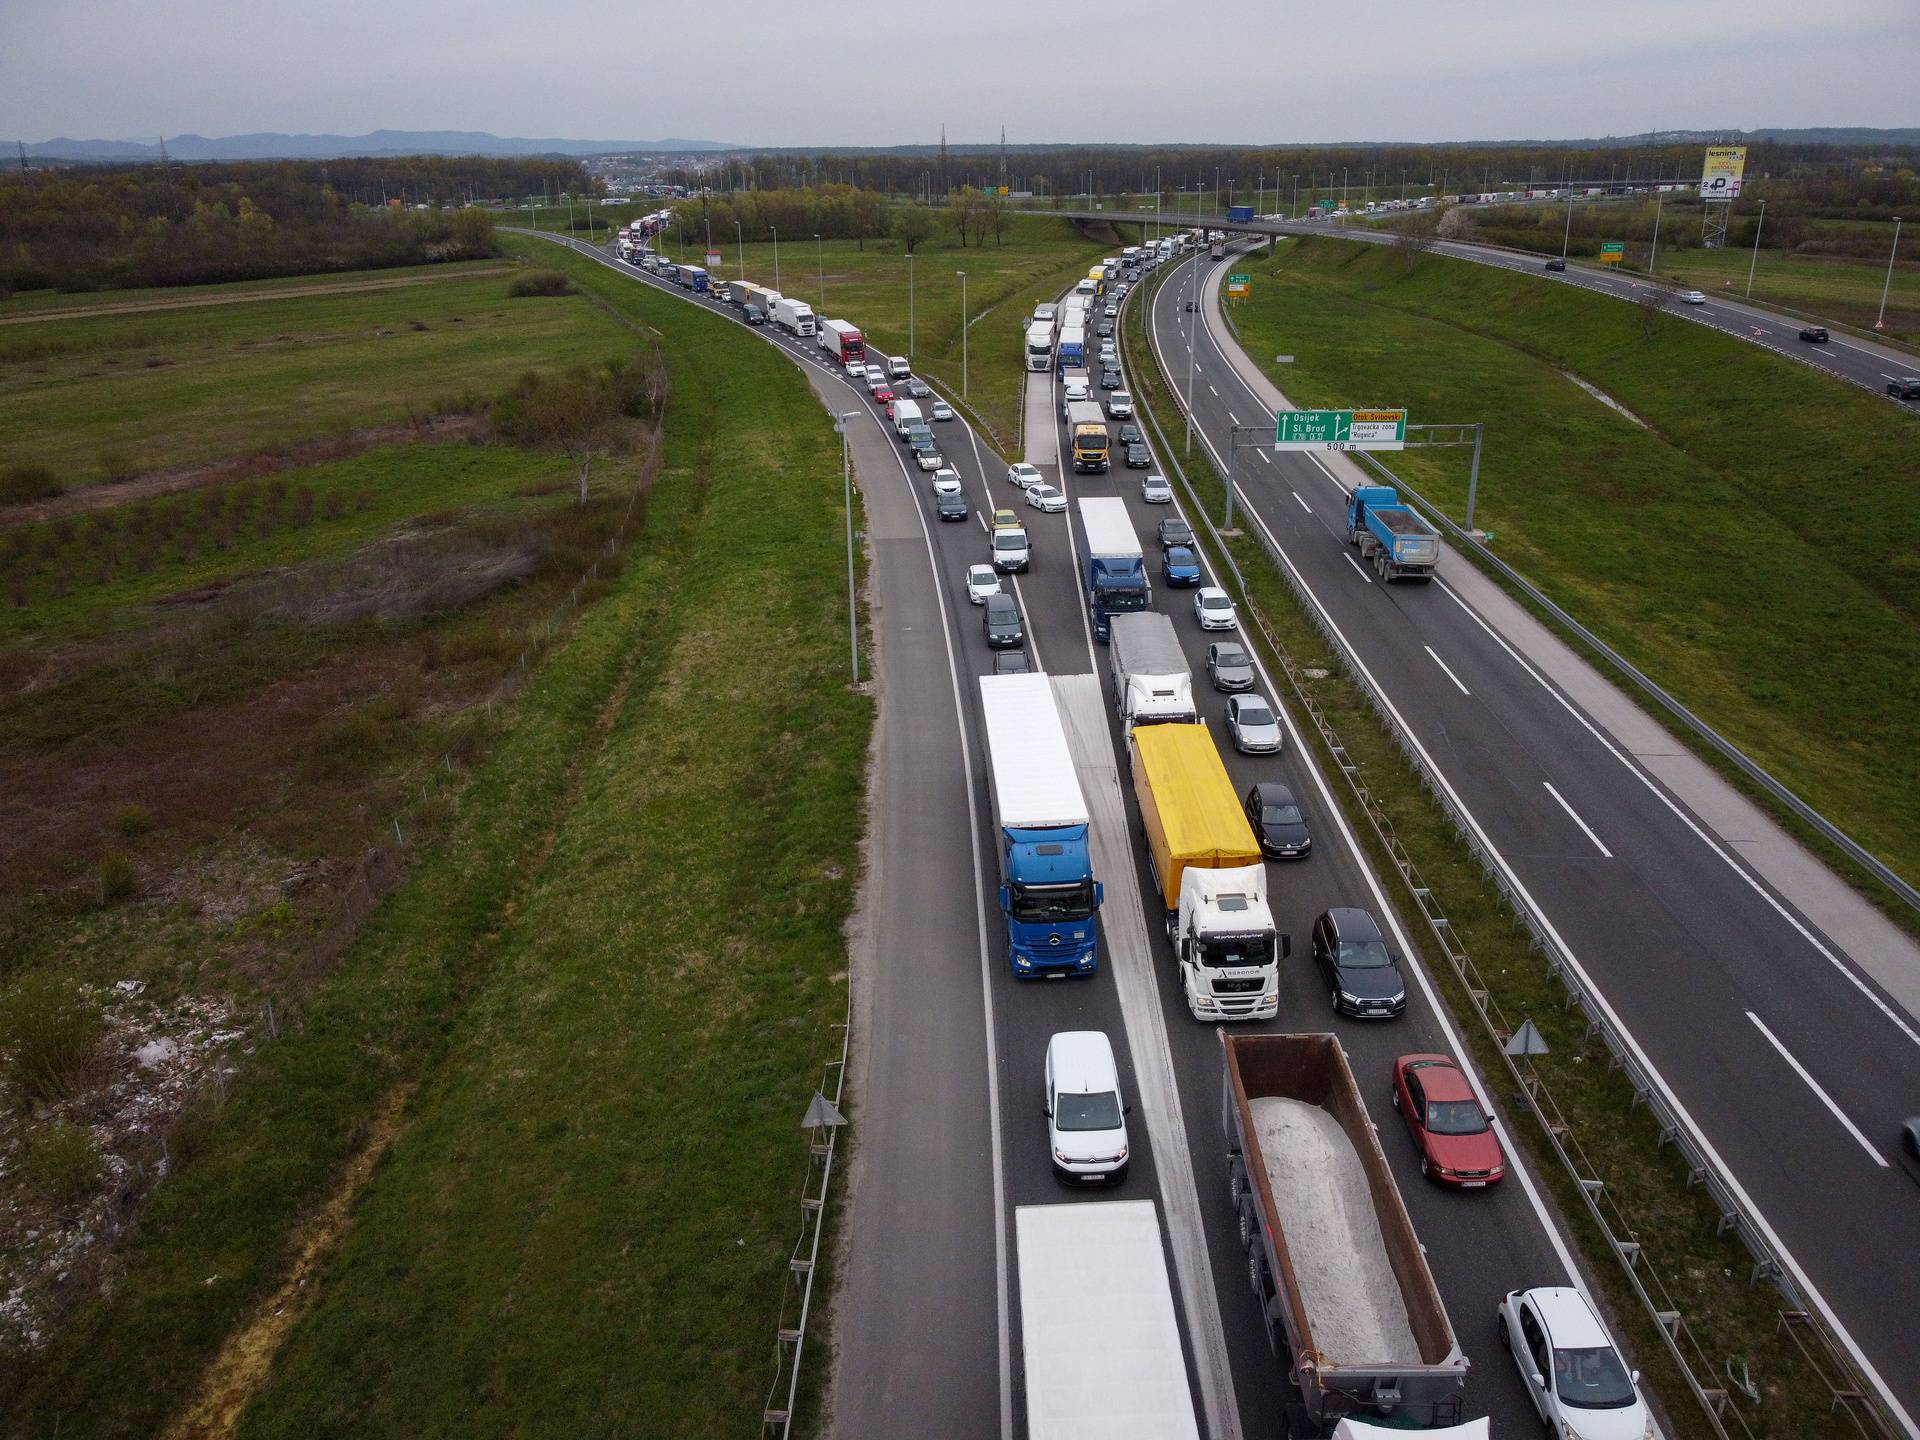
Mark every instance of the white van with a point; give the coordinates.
(1086, 1119)
(898, 368)
(1010, 550)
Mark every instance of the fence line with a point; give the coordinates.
(1847, 1391)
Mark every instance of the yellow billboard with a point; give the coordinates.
(1725, 168)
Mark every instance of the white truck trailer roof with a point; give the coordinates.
(1109, 528)
(1028, 762)
(1102, 1347)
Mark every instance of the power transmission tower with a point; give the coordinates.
(943, 157)
(23, 155)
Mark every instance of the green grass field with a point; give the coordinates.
(1041, 257)
(627, 948)
(114, 393)
(1739, 548)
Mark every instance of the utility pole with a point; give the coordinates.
(776, 258)
(1567, 237)
(820, 259)
(1753, 264)
(740, 241)
(909, 307)
(1654, 254)
(1193, 310)
(963, 332)
(1880, 323)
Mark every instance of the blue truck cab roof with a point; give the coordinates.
(1055, 856)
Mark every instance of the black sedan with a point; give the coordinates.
(1814, 334)
(1175, 531)
(950, 506)
(1277, 822)
(1907, 387)
(1130, 435)
(1109, 379)
(1001, 622)
(918, 389)
(1138, 458)
(1361, 974)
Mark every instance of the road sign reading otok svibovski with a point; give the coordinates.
(1340, 430)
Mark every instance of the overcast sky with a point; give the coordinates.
(833, 72)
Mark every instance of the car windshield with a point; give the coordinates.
(1592, 1379)
(1255, 715)
(1231, 660)
(1009, 540)
(1087, 1112)
(1280, 815)
(1215, 602)
(1455, 1117)
(1044, 903)
(1364, 954)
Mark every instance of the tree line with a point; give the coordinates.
(836, 212)
(159, 225)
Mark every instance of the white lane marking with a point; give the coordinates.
(1519, 1168)
(1216, 393)
(1574, 816)
(1233, 418)
(1814, 1085)
(1264, 456)
(1303, 504)
(1358, 571)
(1888, 374)
(1444, 666)
(1634, 770)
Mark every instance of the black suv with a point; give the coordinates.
(950, 506)
(1556, 264)
(1814, 334)
(1906, 388)
(1361, 974)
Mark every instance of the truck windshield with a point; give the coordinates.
(1041, 904)
(1091, 442)
(1117, 601)
(1237, 951)
(1053, 903)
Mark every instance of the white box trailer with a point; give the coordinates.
(1098, 1334)
(1152, 684)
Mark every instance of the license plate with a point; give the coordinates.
(1473, 1184)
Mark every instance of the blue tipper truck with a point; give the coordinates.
(1395, 541)
(1240, 212)
(1117, 581)
(1047, 889)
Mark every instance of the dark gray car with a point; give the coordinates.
(1175, 531)
(1361, 974)
(1002, 623)
(1278, 822)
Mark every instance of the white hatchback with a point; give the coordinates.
(1046, 499)
(982, 581)
(946, 481)
(1086, 1119)
(1023, 475)
(1570, 1366)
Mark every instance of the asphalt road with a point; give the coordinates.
(949, 1135)
(1857, 361)
(1790, 1056)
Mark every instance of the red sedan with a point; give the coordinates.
(1455, 1139)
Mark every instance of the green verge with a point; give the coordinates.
(1705, 1273)
(1739, 546)
(95, 396)
(1037, 259)
(628, 951)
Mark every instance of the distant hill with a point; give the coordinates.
(271, 145)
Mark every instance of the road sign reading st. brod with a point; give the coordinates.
(1340, 430)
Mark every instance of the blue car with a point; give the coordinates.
(1179, 566)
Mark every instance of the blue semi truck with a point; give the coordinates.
(1390, 537)
(1117, 580)
(1047, 889)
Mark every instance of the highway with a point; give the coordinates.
(1844, 357)
(1784, 1030)
(949, 1136)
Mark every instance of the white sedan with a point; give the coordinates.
(946, 481)
(1155, 490)
(1692, 297)
(1213, 608)
(1044, 497)
(1023, 476)
(941, 410)
(982, 581)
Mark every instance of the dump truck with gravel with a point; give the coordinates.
(1349, 1302)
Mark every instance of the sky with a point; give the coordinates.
(832, 72)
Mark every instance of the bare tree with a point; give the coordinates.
(1653, 301)
(579, 413)
(1414, 238)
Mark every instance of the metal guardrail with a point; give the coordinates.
(1747, 766)
(1848, 1392)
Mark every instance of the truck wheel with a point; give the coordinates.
(1236, 1186)
(1353, 536)
(1248, 1229)
(1256, 1275)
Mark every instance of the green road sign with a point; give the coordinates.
(1613, 247)
(1237, 279)
(1340, 430)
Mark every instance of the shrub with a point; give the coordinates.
(22, 482)
(61, 1164)
(50, 1034)
(118, 878)
(539, 282)
(132, 820)
(115, 465)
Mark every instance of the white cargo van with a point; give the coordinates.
(1086, 1119)
(898, 368)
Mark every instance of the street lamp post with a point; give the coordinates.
(1653, 255)
(820, 259)
(1567, 236)
(776, 256)
(740, 244)
(1880, 322)
(1193, 311)
(1754, 263)
(963, 332)
(843, 425)
(909, 307)
(1295, 207)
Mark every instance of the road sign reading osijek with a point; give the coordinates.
(1238, 285)
(1340, 430)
